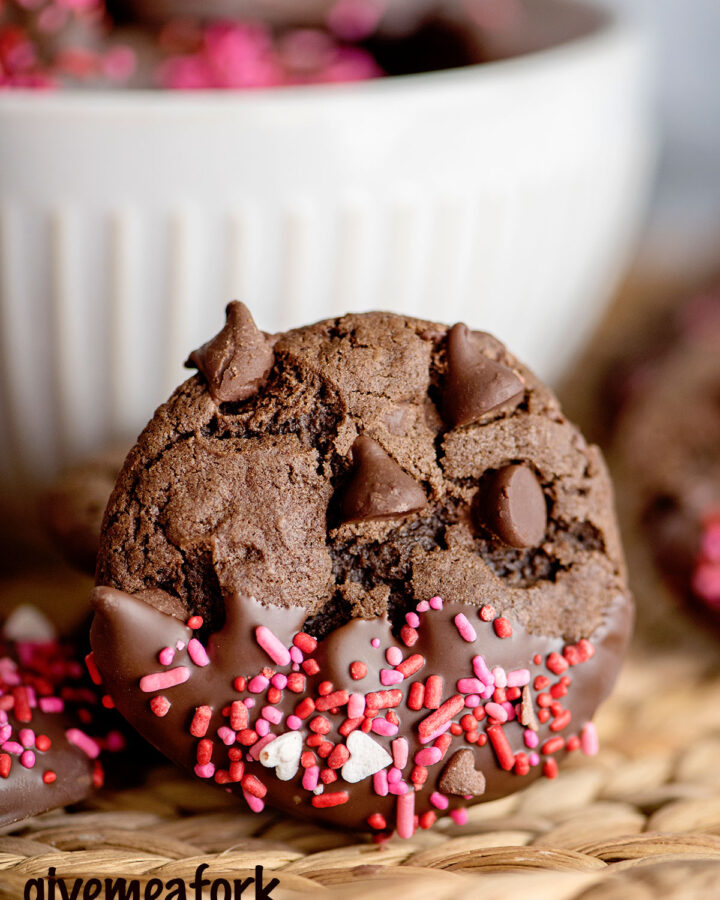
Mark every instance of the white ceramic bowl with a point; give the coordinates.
(505, 195)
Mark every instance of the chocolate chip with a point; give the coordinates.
(460, 777)
(512, 506)
(379, 488)
(475, 384)
(237, 360)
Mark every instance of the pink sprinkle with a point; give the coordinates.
(412, 619)
(272, 645)
(400, 752)
(472, 701)
(27, 737)
(51, 704)
(390, 676)
(533, 759)
(436, 602)
(226, 735)
(266, 739)
(465, 629)
(27, 759)
(356, 706)
(297, 656)
(509, 709)
(3, 717)
(496, 711)
(310, 778)
(258, 684)
(518, 678)
(394, 775)
(423, 606)
(161, 681)
(398, 788)
(180, 645)
(272, 714)
(13, 747)
(255, 803)
(293, 722)
(166, 656)
(249, 702)
(5, 732)
(428, 757)
(197, 653)
(354, 20)
(487, 692)
(439, 801)
(589, 742)
(206, 771)
(383, 727)
(279, 681)
(531, 739)
(470, 685)
(500, 677)
(380, 783)
(393, 655)
(84, 742)
(375, 642)
(480, 668)
(262, 726)
(459, 816)
(115, 742)
(405, 820)
(436, 734)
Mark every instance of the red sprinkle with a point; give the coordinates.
(550, 768)
(522, 764)
(308, 759)
(416, 695)
(240, 683)
(305, 642)
(326, 800)
(311, 667)
(48, 777)
(236, 771)
(427, 819)
(253, 785)
(350, 725)
(296, 682)
(5, 764)
(43, 743)
(339, 756)
(501, 746)
(572, 743)
(95, 676)
(442, 715)
(337, 698)
(201, 721)
(443, 743)
(456, 729)
(377, 821)
(419, 775)
(324, 688)
(543, 715)
(503, 628)
(552, 745)
(247, 737)
(194, 622)
(433, 691)
(358, 670)
(487, 613)
(556, 663)
(203, 754)
(561, 721)
(305, 707)
(160, 705)
(325, 749)
(327, 776)
(409, 636)
(411, 665)
(21, 708)
(320, 725)
(383, 699)
(274, 695)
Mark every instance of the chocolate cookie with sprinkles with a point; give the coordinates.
(364, 571)
(49, 743)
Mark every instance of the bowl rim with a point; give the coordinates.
(611, 30)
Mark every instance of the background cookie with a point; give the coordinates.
(666, 449)
(47, 756)
(372, 526)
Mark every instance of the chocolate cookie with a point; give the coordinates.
(48, 758)
(666, 450)
(364, 571)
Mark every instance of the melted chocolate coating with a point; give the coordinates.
(127, 635)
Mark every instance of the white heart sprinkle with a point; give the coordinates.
(366, 757)
(283, 753)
